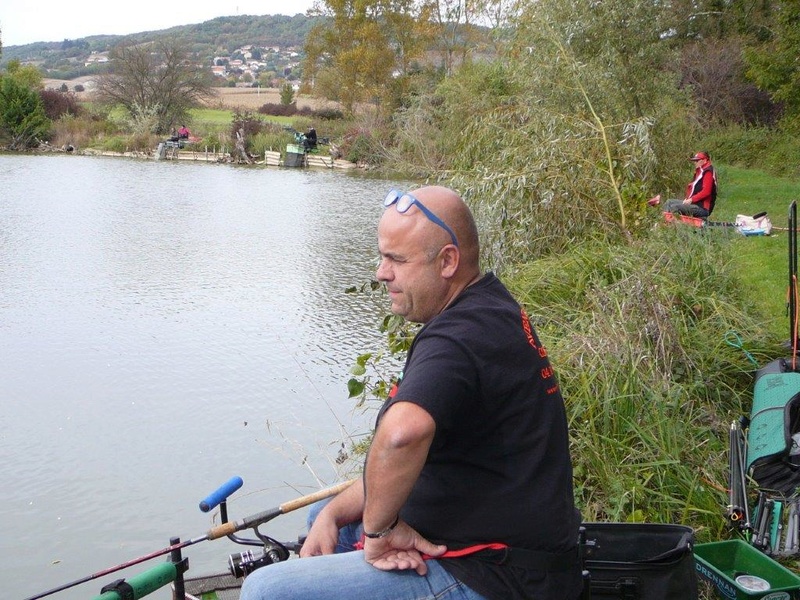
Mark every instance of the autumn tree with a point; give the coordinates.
(155, 82)
(355, 54)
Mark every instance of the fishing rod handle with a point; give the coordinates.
(315, 497)
(221, 494)
(223, 530)
(254, 520)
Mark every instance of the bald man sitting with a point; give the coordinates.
(467, 490)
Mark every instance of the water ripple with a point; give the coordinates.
(164, 326)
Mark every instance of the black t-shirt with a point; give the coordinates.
(498, 469)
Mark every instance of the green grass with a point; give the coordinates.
(211, 116)
(650, 382)
(749, 191)
(761, 262)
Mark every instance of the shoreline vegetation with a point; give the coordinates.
(215, 125)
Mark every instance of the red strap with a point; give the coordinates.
(453, 553)
(467, 551)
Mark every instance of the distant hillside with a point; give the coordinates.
(217, 37)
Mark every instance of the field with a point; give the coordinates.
(227, 98)
(253, 98)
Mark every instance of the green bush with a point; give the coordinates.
(269, 140)
(22, 114)
(115, 143)
(361, 148)
(215, 141)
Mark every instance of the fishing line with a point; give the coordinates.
(344, 434)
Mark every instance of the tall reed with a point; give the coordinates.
(640, 334)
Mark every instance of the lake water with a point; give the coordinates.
(163, 327)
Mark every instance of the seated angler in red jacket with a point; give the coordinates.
(701, 193)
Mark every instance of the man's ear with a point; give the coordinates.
(450, 259)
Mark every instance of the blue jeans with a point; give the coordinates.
(693, 210)
(347, 575)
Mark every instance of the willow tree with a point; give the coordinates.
(155, 82)
(569, 132)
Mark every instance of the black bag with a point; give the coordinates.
(639, 561)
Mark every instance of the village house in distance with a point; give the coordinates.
(248, 66)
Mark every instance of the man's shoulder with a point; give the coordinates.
(488, 288)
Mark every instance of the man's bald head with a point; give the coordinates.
(422, 266)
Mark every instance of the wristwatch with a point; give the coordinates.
(385, 532)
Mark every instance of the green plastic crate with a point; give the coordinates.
(722, 562)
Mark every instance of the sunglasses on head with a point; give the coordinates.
(402, 201)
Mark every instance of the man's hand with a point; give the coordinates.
(687, 200)
(401, 550)
(322, 537)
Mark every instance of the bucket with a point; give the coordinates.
(740, 572)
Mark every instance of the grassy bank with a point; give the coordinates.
(641, 334)
(761, 263)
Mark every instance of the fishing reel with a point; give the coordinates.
(242, 564)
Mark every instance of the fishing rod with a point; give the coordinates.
(738, 510)
(214, 533)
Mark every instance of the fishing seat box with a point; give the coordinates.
(639, 561)
(687, 219)
(295, 156)
(721, 563)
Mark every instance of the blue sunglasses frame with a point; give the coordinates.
(403, 201)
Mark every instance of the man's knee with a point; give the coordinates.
(266, 583)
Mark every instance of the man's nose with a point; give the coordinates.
(382, 272)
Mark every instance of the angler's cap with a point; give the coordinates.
(700, 156)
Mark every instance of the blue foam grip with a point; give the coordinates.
(221, 493)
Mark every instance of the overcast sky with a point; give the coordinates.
(26, 21)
